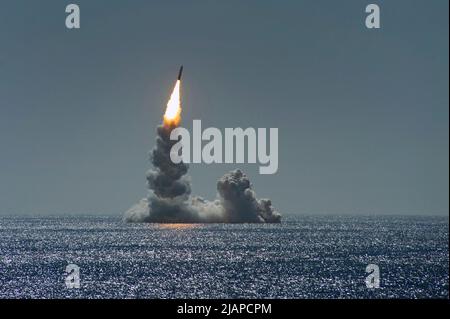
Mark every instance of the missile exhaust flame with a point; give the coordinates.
(172, 116)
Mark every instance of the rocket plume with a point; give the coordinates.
(172, 117)
(170, 199)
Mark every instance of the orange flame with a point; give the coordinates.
(172, 117)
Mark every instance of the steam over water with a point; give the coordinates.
(304, 257)
(170, 199)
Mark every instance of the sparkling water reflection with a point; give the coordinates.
(304, 257)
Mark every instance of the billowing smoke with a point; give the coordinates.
(170, 199)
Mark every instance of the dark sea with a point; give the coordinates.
(303, 257)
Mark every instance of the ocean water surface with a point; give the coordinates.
(303, 257)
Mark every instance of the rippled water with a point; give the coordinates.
(304, 257)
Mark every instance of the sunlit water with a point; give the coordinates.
(304, 257)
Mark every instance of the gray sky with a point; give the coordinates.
(362, 114)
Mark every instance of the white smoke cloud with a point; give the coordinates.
(170, 199)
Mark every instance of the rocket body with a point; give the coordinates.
(180, 73)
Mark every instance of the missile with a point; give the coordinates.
(180, 72)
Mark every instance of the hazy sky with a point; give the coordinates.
(362, 114)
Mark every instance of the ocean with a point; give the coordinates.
(303, 257)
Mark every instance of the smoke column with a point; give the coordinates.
(170, 199)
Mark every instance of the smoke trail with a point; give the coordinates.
(170, 199)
